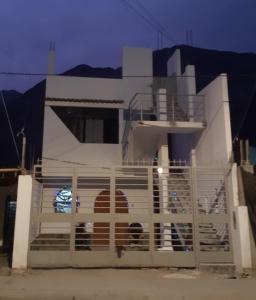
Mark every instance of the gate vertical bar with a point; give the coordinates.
(112, 209)
(193, 178)
(151, 212)
(228, 209)
(73, 212)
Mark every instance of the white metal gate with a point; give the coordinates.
(129, 216)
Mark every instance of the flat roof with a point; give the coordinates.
(109, 101)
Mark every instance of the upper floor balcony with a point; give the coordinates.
(166, 112)
(171, 108)
(152, 115)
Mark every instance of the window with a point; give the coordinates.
(90, 125)
(63, 201)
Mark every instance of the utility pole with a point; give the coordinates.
(23, 152)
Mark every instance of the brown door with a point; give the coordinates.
(101, 230)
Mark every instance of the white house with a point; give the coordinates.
(135, 171)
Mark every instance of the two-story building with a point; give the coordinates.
(135, 171)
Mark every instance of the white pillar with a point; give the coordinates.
(163, 161)
(191, 89)
(240, 224)
(22, 222)
(193, 158)
(161, 105)
(243, 231)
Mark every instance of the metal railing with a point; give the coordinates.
(166, 107)
(162, 107)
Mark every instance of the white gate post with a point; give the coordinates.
(22, 222)
(163, 188)
(240, 224)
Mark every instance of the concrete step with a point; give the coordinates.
(51, 241)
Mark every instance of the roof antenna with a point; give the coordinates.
(51, 59)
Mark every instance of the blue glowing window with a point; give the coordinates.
(63, 201)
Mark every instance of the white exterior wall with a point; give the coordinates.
(137, 61)
(181, 144)
(240, 224)
(58, 141)
(137, 74)
(186, 89)
(67, 87)
(214, 144)
(61, 144)
(22, 222)
(174, 64)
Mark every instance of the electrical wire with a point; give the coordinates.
(149, 19)
(249, 75)
(162, 29)
(10, 125)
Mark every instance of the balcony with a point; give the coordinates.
(151, 115)
(166, 107)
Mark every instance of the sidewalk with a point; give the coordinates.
(143, 284)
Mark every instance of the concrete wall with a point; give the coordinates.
(144, 146)
(174, 64)
(83, 88)
(181, 144)
(137, 71)
(37, 191)
(186, 89)
(22, 222)
(60, 144)
(239, 224)
(214, 144)
(137, 61)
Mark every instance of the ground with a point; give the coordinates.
(130, 284)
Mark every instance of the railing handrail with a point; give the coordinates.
(175, 96)
(161, 94)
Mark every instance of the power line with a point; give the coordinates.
(5, 73)
(139, 14)
(149, 14)
(162, 29)
(150, 20)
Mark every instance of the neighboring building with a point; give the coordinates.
(149, 164)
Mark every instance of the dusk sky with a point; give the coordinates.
(94, 31)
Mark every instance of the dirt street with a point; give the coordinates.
(143, 284)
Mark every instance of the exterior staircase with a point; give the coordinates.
(211, 240)
(51, 241)
(175, 112)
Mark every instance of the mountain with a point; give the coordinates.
(88, 71)
(26, 110)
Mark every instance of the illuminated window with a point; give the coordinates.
(63, 201)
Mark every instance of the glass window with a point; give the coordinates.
(90, 125)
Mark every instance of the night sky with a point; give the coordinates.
(94, 31)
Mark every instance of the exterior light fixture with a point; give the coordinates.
(160, 170)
